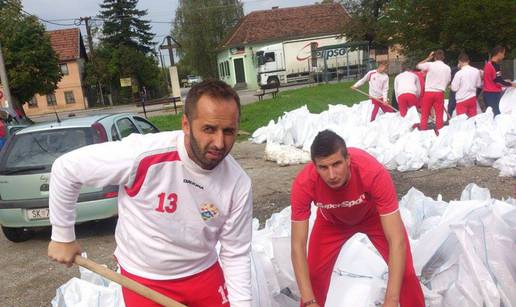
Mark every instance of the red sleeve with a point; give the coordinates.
(301, 198)
(383, 193)
(489, 72)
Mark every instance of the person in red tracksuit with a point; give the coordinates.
(378, 88)
(353, 193)
(493, 80)
(438, 76)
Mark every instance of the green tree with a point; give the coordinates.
(125, 51)
(473, 26)
(124, 26)
(31, 63)
(200, 26)
(364, 24)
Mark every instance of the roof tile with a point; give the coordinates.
(288, 23)
(65, 43)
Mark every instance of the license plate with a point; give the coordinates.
(37, 214)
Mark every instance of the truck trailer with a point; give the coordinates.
(309, 59)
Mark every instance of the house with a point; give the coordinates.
(71, 92)
(301, 28)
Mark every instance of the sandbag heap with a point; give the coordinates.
(483, 140)
(463, 252)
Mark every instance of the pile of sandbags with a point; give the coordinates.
(484, 139)
(463, 252)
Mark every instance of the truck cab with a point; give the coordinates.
(271, 64)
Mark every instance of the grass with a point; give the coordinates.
(255, 115)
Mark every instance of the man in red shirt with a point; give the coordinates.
(353, 193)
(493, 80)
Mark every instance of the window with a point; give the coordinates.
(64, 69)
(145, 126)
(126, 127)
(41, 148)
(114, 133)
(33, 102)
(227, 68)
(51, 100)
(69, 97)
(221, 70)
(269, 57)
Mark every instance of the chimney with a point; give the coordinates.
(275, 7)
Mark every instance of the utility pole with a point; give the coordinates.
(5, 84)
(174, 79)
(92, 52)
(170, 50)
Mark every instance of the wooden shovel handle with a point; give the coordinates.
(377, 99)
(126, 282)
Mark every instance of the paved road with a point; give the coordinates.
(246, 97)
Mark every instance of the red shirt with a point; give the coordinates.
(3, 129)
(370, 190)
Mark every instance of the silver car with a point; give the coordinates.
(26, 161)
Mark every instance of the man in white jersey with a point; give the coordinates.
(180, 193)
(438, 76)
(378, 88)
(465, 84)
(406, 89)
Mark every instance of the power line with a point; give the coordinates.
(30, 14)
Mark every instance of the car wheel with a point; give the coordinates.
(17, 234)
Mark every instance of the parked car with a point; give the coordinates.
(192, 80)
(26, 161)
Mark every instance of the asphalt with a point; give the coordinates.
(246, 97)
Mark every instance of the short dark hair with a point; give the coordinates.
(210, 87)
(439, 54)
(497, 49)
(326, 143)
(463, 57)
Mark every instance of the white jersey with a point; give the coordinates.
(406, 83)
(171, 212)
(438, 76)
(465, 83)
(378, 84)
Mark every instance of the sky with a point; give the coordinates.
(160, 12)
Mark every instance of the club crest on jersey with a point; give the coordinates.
(209, 211)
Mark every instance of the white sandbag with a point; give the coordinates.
(474, 192)
(508, 101)
(357, 276)
(391, 139)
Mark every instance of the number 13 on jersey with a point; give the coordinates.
(171, 203)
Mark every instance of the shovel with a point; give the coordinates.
(126, 282)
(377, 99)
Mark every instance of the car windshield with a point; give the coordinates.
(36, 151)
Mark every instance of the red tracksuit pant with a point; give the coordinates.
(432, 100)
(405, 102)
(326, 242)
(379, 105)
(468, 107)
(206, 288)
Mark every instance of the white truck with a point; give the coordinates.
(298, 60)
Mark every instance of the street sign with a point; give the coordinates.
(124, 82)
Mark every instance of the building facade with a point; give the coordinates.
(292, 28)
(70, 94)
